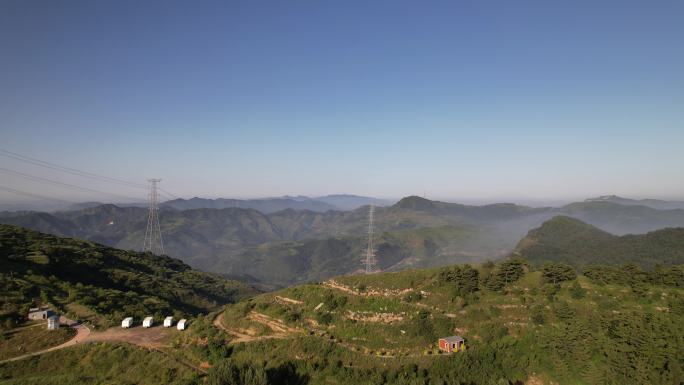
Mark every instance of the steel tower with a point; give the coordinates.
(370, 252)
(153, 238)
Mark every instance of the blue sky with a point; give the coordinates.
(458, 100)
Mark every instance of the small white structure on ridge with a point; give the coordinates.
(181, 324)
(127, 322)
(168, 322)
(53, 322)
(148, 321)
(38, 313)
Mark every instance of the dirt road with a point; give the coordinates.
(154, 337)
(278, 327)
(82, 333)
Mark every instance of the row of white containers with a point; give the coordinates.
(148, 321)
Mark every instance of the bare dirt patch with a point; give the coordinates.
(154, 337)
(368, 292)
(372, 317)
(288, 300)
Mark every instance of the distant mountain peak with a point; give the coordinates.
(657, 204)
(604, 198)
(415, 202)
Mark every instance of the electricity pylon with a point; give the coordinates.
(153, 238)
(370, 252)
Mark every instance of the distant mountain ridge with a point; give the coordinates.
(338, 202)
(652, 203)
(266, 206)
(296, 245)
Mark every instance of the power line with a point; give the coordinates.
(25, 193)
(169, 194)
(68, 170)
(62, 184)
(77, 172)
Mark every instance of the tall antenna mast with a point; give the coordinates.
(370, 252)
(153, 238)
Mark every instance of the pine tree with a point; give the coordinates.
(576, 291)
(557, 272)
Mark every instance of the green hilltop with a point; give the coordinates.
(569, 240)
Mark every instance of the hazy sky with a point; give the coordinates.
(460, 100)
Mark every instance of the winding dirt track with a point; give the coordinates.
(278, 327)
(154, 338)
(82, 333)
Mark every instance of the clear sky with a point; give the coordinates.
(458, 100)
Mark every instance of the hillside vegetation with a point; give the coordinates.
(99, 283)
(547, 325)
(565, 239)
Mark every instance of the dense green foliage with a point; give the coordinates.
(101, 283)
(505, 273)
(463, 279)
(557, 272)
(568, 240)
(632, 274)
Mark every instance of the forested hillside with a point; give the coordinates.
(100, 283)
(565, 239)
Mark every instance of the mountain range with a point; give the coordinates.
(276, 249)
(265, 205)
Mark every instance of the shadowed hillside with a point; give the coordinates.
(100, 283)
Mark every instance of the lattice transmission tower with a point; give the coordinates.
(153, 238)
(370, 252)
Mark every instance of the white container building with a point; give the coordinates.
(168, 322)
(53, 322)
(181, 324)
(148, 321)
(127, 322)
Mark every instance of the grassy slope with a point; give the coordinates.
(31, 339)
(97, 364)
